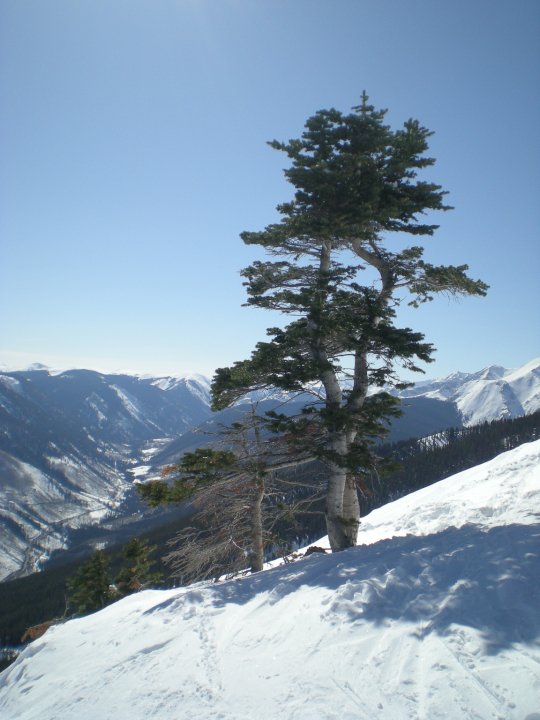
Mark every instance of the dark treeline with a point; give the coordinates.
(422, 462)
(434, 458)
(42, 596)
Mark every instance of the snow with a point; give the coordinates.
(165, 383)
(129, 403)
(434, 615)
(525, 382)
(93, 402)
(198, 384)
(140, 471)
(38, 507)
(149, 452)
(34, 504)
(11, 383)
(489, 394)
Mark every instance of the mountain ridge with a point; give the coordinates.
(492, 393)
(73, 442)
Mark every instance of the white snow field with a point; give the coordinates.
(435, 615)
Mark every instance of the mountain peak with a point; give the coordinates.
(38, 367)
(493, 372)
(489, 394)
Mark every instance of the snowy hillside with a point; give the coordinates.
(67, 442)
(37, 508)
(490, 394)
(434, 615)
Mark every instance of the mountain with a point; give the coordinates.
(72, 443)
(490, 394)
(67, 442)
(429, 407)
(421, 416)
(433, 615)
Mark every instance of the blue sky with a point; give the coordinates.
(133, 137)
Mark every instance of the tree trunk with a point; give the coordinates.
(351, 512)
(342, 508)
(257, 545)
(334, 508)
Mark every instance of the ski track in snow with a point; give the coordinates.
(438, 622)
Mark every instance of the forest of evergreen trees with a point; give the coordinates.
(428, 460)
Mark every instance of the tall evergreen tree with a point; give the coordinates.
(339, 271)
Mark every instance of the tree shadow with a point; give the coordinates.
(483, 579)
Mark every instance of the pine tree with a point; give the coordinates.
(339, 272)
(237, 496)
(90, 588)
(137, 573)
(226, 489)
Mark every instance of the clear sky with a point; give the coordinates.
(133, 153)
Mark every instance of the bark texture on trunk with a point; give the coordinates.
(351, 513)
(334, 507)
(342, 509)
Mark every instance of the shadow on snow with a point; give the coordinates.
(483, 579)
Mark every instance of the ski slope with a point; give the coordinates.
(436, 614)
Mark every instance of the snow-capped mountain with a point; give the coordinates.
(490, 394)
(66, 443)
(72, 442)
(493, 393)
(434, 615)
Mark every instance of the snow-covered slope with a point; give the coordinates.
(67, 440)
(434, 615)
(490, 394)
(38, 508)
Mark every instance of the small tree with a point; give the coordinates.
(137, 573)
(340, 272)
(238, 499)
(90, 589)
